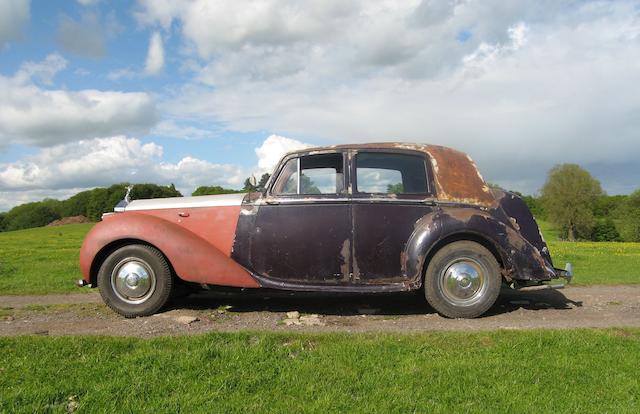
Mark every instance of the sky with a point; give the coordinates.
(208, 92)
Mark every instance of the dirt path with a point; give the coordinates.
(84, 314)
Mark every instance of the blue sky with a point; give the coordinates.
(208, 92)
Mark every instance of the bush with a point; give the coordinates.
(535, 206)
(605, 231)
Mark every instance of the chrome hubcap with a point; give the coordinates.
(463, 281)
(133, 280)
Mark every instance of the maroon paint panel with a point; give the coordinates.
(194, 258)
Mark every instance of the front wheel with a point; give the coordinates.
(462, 280)
(135, 280)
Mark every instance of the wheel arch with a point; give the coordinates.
(111, 247)
(450, 224)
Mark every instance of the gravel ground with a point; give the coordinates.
(84, 314)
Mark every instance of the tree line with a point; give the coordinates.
(571, 199)
(93, 203)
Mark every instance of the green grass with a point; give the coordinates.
(587, 371)
(41, 260)
(45, 260)
(595, 262)
(550, 233)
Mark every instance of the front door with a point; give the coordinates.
(302, 232)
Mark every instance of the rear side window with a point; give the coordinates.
(390, 173)
(313, 174)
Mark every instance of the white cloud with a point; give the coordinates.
(32, 115)
(41, 71)
(273, 149)
(155, 55)
(519, 85)
(14, 15)
(63, 170)
(88, 2)
(68, 168)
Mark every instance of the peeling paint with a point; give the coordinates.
(345, 255)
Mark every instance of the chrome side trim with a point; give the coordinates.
(298, 200)
(220, 200)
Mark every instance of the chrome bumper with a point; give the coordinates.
(82, 283)
(566, 273)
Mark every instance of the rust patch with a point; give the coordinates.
(457, 177)
(404, 258)
(345, 255)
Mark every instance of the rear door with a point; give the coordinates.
(389, 193)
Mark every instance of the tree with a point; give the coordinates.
(630, 212)
(75, 205)
(260, 186)
(568, 197)
(213, 190)
(30, 215)
(146, 191)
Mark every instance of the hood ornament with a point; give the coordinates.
(121, 206)
(127, 196)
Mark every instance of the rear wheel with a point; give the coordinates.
(135, 280)
(462, 280)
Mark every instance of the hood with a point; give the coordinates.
(184, 202)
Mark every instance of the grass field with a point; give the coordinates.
(587, 371)
(595, 262)
(41, 260)
(45, 260)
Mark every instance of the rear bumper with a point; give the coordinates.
(566, 273)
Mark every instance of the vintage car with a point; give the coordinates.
(369, 218)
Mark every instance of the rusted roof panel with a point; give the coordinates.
(457, 177)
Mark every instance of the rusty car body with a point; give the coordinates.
(371, 218)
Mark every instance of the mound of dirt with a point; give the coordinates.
(69, 220)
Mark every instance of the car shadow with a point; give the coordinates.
(390, 304)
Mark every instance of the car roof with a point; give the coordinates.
(456, 176)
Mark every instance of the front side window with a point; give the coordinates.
(390, 173)
(313, 174)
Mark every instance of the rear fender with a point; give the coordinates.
(519, 259)
(192, 257)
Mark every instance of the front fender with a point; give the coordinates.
(520, 259)
(192, 257)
